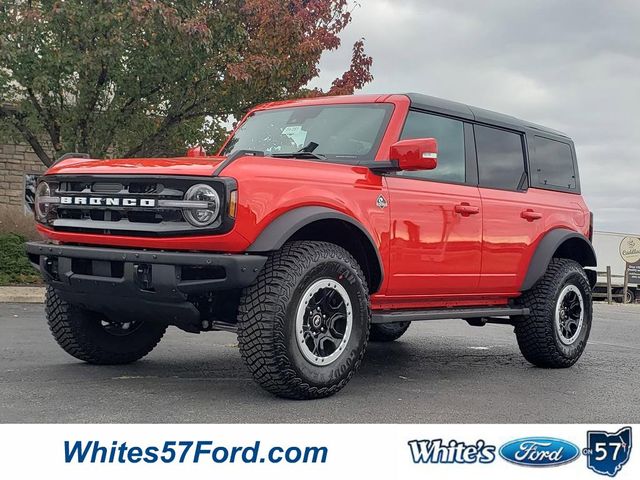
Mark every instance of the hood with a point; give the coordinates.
(188, 166)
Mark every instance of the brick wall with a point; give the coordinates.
(16, 160)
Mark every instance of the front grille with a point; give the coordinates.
(106, 213)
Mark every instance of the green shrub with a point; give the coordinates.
(14, 265)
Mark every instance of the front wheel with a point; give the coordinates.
(555, 333)
(94, 338)
(303, 324)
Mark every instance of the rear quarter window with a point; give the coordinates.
(553, 164)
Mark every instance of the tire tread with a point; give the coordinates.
(262, 319)
(65, 323)
(388, 332)
(535, 333)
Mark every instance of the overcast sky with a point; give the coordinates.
(572, 65)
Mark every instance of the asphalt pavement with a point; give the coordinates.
(439, 372)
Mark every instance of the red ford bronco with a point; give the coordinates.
(320, 225)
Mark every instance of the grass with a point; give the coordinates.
(14, 220)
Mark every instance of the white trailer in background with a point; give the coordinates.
(607, 247)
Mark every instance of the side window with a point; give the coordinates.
(500, 158)
(450, 136)
(553, 164)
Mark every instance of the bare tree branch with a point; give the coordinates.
(17, 120)
(94, 95)
(48, 119)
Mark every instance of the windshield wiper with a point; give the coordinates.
(309, 147)
(304, 152)
(299, 155)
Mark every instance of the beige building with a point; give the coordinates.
(18, 167)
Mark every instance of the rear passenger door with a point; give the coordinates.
(436, 228)
(512, 221)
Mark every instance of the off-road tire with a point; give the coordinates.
(267, 320)
(388, 332)
(80, 333)
(537, 337)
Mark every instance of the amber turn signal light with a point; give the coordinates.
(233, 203)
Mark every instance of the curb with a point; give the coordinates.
(22, 294)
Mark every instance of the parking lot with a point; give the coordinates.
(439, 372)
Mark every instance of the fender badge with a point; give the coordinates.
(381, 202)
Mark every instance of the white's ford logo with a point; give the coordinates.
(539, 451)
(109, 201)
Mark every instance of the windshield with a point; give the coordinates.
(351, 131)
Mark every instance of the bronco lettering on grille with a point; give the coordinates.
(109, 201)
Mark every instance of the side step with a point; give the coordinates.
(445, 314)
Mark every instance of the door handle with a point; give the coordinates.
(465, 209)
(530, 215)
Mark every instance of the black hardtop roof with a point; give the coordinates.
(461, 110)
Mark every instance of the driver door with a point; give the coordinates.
(436, 217)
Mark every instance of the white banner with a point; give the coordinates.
(319, 451)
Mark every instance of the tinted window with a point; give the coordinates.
(450, 136)
(340, 131)
(500, 158)
(553, 163)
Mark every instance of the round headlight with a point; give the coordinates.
(42, 208)
(201, 217)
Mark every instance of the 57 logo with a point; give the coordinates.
(607, 452)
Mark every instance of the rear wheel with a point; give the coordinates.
(303, 324)
(94, 338)
(388, 332)
(555, 333)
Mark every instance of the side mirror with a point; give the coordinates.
(415, 154)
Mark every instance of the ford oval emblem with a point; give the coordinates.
(539, 451)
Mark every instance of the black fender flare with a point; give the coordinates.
(548, 247)
(274, 236)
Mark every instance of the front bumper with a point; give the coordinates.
(141, 284)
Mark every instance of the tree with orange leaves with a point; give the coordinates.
(146, 77)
